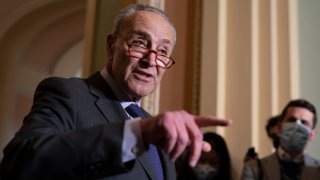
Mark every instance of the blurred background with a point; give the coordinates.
(242, 60)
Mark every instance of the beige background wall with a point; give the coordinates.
(38, 39)
(309, 41)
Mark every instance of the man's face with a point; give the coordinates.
(296, 130)
(299, 113)
(304, 115)
(140, 77)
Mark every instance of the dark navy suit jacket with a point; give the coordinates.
(74, 131)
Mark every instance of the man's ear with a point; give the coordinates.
(312, 135)
(111, 40)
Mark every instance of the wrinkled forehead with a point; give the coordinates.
(149, 23)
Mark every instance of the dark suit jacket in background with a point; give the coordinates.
(75, 131)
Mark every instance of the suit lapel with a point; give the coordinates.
(272, 167)
(112, 110)
(106, 102)
(167, 166)
(311, 168)
(145, 162)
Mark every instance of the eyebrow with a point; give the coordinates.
(292, 117)
(148, 36)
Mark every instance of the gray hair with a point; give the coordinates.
(125, 13)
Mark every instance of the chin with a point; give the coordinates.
(145, 93)
(142, 92)
(142, 88)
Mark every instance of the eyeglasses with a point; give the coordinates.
(137, 51)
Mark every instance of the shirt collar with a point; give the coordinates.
(283, 155)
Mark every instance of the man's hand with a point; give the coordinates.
(175, 131)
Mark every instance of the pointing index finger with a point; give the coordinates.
(204, 121)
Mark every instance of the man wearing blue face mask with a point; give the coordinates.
(290, 161)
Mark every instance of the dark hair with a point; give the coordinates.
(219, 145)
(184, 171)
(303, 104)
(272, 122)
(124, 14)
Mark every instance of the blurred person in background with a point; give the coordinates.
(290, 161)
(213, 165)
(273, 129)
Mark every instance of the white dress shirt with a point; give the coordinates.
(132, 144)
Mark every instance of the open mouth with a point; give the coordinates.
(142, 76)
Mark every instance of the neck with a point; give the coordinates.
(119, 91)
(293, 154)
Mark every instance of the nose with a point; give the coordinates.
(150, 58)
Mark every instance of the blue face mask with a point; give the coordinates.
(294, 135)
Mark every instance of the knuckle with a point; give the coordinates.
(198, 136)
(164, 120)
(171, 134)
(184, 141)
(185, 113)
(166, 116)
